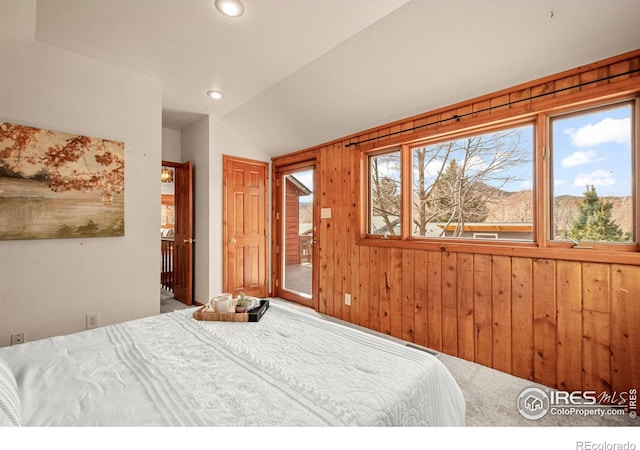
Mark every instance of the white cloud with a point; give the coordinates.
(559, 182)
(579, 158)
(596, 178)
(433, 168)
(607, 130)
(476, 164)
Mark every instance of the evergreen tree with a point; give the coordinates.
(593, 221)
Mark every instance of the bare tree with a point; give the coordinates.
(385, 189)
(478, 167)
(433, 161)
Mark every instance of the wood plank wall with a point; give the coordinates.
(565, 323)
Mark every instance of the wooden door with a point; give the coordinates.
(245, 226)
(183, 245)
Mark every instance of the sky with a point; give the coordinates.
(593, 149)
(306, 178)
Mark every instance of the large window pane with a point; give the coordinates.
(384, 194)
(593, 175)
(477, 187)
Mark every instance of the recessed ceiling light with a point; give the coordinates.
(231, 8)
(216, 95)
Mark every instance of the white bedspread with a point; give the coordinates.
(289, 369)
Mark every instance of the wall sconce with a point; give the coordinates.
(166, 176)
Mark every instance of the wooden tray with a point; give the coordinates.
(252, 316)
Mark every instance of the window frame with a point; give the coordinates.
(476, 131)
(369, 210)
(573, 110)
(541, 245)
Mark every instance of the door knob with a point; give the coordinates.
(232, 241)
(189, 241)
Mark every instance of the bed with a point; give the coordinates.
(289, 369)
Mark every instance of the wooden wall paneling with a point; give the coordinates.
(364, 295)
(465, 325)
(622, 67)
(596, 327)
(395, 130)
(433, 118)
(481, 107)
(407, 127)
(449, 303)
(501, 312)
(374, 288)
(569, 303)
(396, 291)
(354, 233)
(540, 89)
(409, 311)
(519, 96)
(340, 208)
(625, 327)
(500, 102)
(545, 351)
(568, 319)
(434, 300)
(326, 238)
(383, 134)
(482, 309)
(463, 110)
(420, 293)
(564, 85)
(385, 290)
(596, 74)
(522, 317)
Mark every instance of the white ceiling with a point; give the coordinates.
(297, 73)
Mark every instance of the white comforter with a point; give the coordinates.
(289, 369)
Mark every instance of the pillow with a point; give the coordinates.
(10, 409)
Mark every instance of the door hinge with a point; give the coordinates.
(277, 249)
(278, 216)
(277, 283)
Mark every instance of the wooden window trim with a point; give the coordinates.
(367, 171)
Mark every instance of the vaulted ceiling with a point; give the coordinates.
(296, 73)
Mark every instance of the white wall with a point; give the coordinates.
(48, 286)
(171, 147)
(203, 143)
(195, 145)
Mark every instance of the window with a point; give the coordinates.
(592, 182)
(498, 186)
(475, 187)
(385, 193)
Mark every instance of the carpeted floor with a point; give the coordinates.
(168, 303)
(490, 395)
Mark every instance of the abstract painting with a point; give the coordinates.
(57, 185)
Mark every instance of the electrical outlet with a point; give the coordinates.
(93, 321)
(17, 338)
(347, 299)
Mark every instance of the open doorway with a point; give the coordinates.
(176, 232)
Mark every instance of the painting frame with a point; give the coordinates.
(56, 185)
